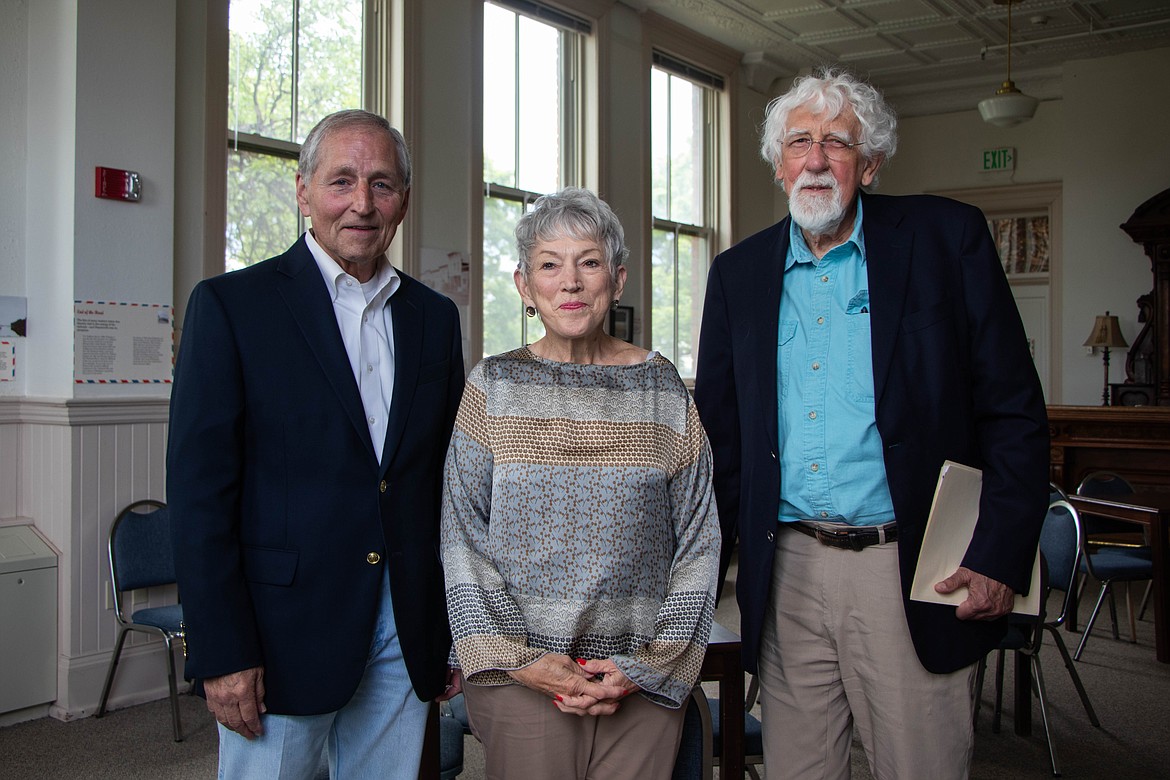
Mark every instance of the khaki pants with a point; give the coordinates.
(836, 654)
(526, 737)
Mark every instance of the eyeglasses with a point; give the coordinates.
(834, 148)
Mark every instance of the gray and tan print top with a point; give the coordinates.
(578, 518)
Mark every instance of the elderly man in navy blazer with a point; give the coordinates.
(846, 352)
(314, 397)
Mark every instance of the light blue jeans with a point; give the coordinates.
(378, 733)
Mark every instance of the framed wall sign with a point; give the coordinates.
(621, 323)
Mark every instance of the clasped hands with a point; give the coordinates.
(577, 687)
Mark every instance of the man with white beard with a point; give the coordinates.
(845, 353)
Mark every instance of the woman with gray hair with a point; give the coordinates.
(580, 541)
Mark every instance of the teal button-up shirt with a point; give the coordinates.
(831, 465)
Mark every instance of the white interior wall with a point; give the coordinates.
(49, 195)
(753, 192)
(125, 118)
(1114, 160)
(626, 113)
(13, 146)
(1079, 141)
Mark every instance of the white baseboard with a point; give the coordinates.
(141, 677)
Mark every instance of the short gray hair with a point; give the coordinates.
(341, 120)
(576, 213)
(832, 90)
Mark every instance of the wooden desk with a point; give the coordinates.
(723, 664)
(1151, 510)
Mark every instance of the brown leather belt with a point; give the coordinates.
(856, 538)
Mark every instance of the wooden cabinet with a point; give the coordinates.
(1148, 362)
(1133, 441)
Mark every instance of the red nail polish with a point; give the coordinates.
(581, 661)
(558, 697)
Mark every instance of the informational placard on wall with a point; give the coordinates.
(7, 361)
(13, 316)
(122, 343)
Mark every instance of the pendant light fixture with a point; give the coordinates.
(1009, 106)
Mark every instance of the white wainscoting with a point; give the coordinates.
(68, 467)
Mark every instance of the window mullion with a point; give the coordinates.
(296, 70)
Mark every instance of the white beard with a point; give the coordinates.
(820, 214)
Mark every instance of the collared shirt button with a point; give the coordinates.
(820, 320)
(816, 366)
(812, 415)
(814, 467)
(349, 282)
(370, 419)
(825, 278)
(382, 486)
(373, 558)
(369, 368)
(824, 514)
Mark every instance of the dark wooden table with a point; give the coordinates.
(724, 665)
(1152, 511)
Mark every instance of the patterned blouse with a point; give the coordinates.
(578, 518)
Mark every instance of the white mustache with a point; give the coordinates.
(808, 179)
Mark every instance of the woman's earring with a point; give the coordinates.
(530, 311)
(613, 306)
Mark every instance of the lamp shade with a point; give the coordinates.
(1106, 332)
(1008, 109)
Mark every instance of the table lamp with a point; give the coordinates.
(1106, 333)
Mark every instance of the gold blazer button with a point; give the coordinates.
(382, 486)
(373, 558)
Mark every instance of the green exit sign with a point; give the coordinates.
(999, 159)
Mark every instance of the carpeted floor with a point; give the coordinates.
(1129, 689)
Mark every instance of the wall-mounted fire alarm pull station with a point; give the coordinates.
(116, 184)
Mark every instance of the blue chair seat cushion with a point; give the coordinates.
(1017, 636)
(167, 618)
(1122, 563)
(753, 732)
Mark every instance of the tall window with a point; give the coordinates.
(292, 62)
(531, 143)
(684, 121)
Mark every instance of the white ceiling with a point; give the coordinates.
(928, 56)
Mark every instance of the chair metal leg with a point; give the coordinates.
(1105, 589)
(1132, 613)
(979, 674)
(1076, 678)
(110, 672)
(1038, 676)
(1145, 600)
(177, 725)
(996, 715)
(1113, 613)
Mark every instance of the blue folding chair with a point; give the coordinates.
(1060, 551)
(141, 556)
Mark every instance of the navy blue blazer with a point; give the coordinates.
(953, 379)
(283, 517)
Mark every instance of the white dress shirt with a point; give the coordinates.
(367, 331)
